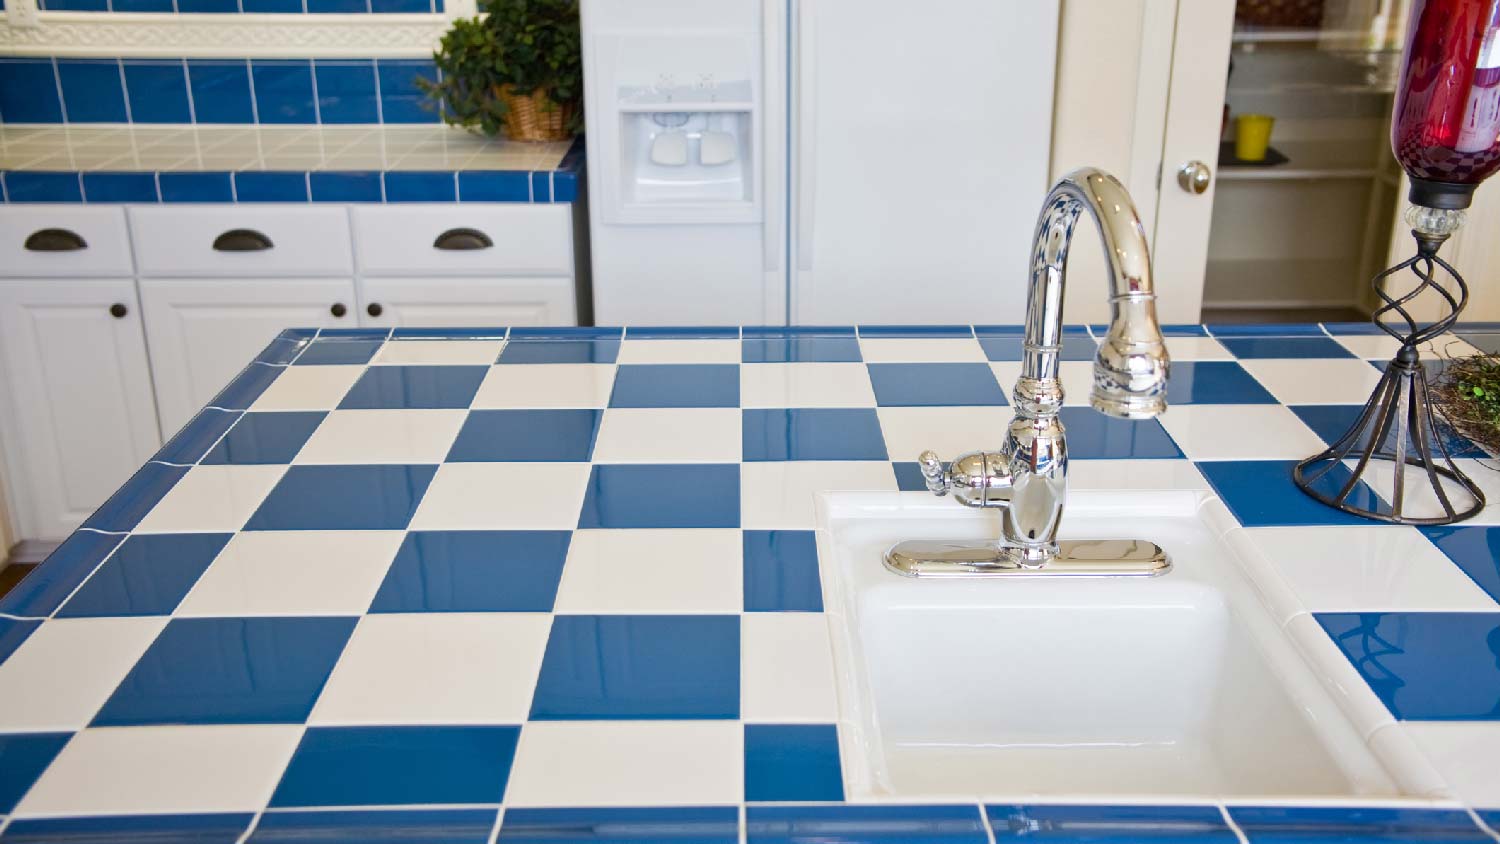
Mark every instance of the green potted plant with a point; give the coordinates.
(518, 65)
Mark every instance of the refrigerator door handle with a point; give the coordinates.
(806, 135)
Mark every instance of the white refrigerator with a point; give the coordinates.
(811, 162)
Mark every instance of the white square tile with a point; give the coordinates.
(669, 435)
(1360, 568)
(929, 350)
(950, 431)
(436, 668)
(503, 496)
(294, 573)
(437, 352)
(679, 351)
(383, 436)
(1134, 474)
(1196, 348)
(308, 388)
(1077, 379)
(546, 385)
(1315, 380)
(784, 494)
(1420, 501)
(653, 571)
(806, 385)
(639, 763)
(215, 499)
(1384, 346)
(787, 668)
(1240, 432)
(63, 673)
(137, 770)
(1464, 753)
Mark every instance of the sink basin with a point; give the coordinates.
(1001, 688)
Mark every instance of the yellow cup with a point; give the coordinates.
(1252, 135)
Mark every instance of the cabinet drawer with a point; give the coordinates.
(522, 239)
(64, 240)
(242, 241)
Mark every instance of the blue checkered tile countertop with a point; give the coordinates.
(561, 585)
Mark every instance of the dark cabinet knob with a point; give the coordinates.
(338, 309)
(55, 240)
(118, 310)
(462, 239)
(242, 240)
(374, 309)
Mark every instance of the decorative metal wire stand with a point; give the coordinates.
(1397, 423)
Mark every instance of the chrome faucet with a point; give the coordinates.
(1028, 476)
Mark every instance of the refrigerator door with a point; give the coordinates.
(920, 137)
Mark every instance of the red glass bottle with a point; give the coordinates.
(1445, 130)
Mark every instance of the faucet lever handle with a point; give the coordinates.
(934, 473)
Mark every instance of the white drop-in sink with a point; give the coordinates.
(1180, 684)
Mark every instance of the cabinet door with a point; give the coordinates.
(76, 398)
(202, 332)
(467, 302)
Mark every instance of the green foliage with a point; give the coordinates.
(1479, 386)
(1468, 398)
(527, 44)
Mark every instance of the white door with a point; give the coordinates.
(77, 393)
(203, 332)
(467, 302)
(920, 138)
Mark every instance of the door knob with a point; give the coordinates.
(338, 309)
(1194, 177)
(374, 309)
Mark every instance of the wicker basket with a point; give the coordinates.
(1295, 13)
(534, 116)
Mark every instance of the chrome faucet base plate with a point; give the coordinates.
(1075, 558)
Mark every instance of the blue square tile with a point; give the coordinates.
(633, 825)
(339, 351)
(864, 824)
(1474, 549)
(420, 186)
(158, 91)
(73, 5)
(682, 332)
(246, 387)
(560, 436)
(270, 186)
(23, 757)
(916, 331)
(137, 829)
(1124, 824)
(14, 631)
(1093, 435)
(493, 186)
(229, 671)
(567, 332)
(37, 186)
(1285, 347)
(283, 90)
(343, 498)
(197, 436)
(92, 90)
(43, 590)
(475, 571)
(424, 826)
(412, 387)
(781, 571)
(674, 496)
(1260, 493)
(270, 6)
(147, 575)
(28, 91)
(195, 187)
(1332, 421)
(1425, 666)
(142, 6)
(353, 334)
(1319, 825)
(812, 434)
(1005, 342)
(627, 667)
(1265, 329)
(392, 766)
(800, 349)
(350, 186)
(676, 385)
(221, 91)
(131, 502)
(1183, 330)
(120, 187)
(337, 6)
(541, 187)
(265, 438)
(792, 762)
(401, 101)
(596, 350)
(1483, 341)
(346, 91)
(1214, 382)
(934, 384)
(784, 331)
(401, 6)
(564, 185)
(208, 6)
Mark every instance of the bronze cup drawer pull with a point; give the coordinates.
(55, 240)
(242, 240)
(462, 239)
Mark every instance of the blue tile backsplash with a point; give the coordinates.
(247, 6)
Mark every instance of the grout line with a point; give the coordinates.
(495, 830)
(255, 821)
(1233, 827)
(14, 617)
(984, 818)
(742, 823)
(62, 101)
(105, 532)
(90, 576)
(312, 73)
(254, 106)
(1486, 828)
(187, 81)
(124, 90)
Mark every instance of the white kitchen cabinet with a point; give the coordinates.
(465, 302)
(77, 412)
(204, 331)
